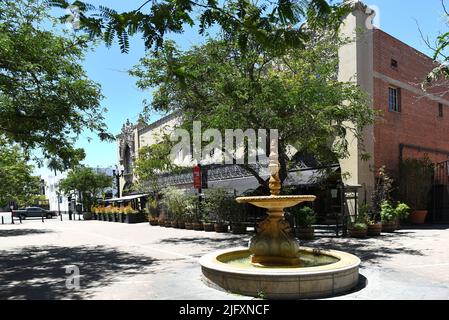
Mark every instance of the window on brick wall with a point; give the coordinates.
(394, 99)
(440, 110)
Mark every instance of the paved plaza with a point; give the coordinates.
(121, 261)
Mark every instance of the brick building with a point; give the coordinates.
(412, 122)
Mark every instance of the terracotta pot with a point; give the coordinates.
(197, 226)
(357, 233)
(305, 233)
(389, 226)
(221, 227)
(208, 227)
(418, 216)
(188, 225)
(374, 229)
(237, 228)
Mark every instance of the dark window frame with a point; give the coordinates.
(440, 110)
(394, 99)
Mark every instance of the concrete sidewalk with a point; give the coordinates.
(120, 261)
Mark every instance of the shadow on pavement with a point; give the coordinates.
(22, 232)
(217, 243)
(374, 250)
(40, 272)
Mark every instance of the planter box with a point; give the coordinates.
(305, 233)
(121, 217)
(197, 226)
(374, 230)
(357, 233)
(167, 223)
(134, 218)
(221, 227)
(153, 222)
(94, 216)
(188, 225)
(208, 227)
(418, 217)
(161, 223)
(238, 228)
(389, 226)
(87, 216)
(174, 224)
(181, 225)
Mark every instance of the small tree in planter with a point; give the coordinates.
(381, 193)
(216, 206)
(176, 201)
(151, 211)
(415, 182)
(304, 217)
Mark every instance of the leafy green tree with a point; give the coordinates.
(274, 23)
(295, 91)
(16, 175)
(46, 99)
(86, 182)
(153, 161)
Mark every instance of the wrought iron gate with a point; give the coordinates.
(440, 193)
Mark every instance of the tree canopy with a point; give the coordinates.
(16, 175)
(46, 98)
(295, 91)
(87, 182)
(274, 23)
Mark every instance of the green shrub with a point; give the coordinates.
(305, 216)
(359, 226)
(389, 213)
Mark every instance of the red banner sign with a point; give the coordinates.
(197, 177)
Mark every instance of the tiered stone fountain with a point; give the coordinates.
(275, 266)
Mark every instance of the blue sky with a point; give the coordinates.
(108, 66)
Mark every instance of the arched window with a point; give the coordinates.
(127, 160)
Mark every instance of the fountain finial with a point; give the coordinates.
(274, 182)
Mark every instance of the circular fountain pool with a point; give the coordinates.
(320, 273)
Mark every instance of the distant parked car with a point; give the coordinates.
(33, 212)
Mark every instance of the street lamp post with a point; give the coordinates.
(117, 176)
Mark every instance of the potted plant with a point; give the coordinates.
(381, 193)
(216, 206)
(99, 211)
(208, 224)
(175, 201)
(93, 209)
(358, 229)
(304, 217)
(133, 215)
(374, 225)
(87, 215)
(188, 222)
(391, 215)
(415, 182)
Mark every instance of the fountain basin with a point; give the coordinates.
(278, 202)
(337, 272)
